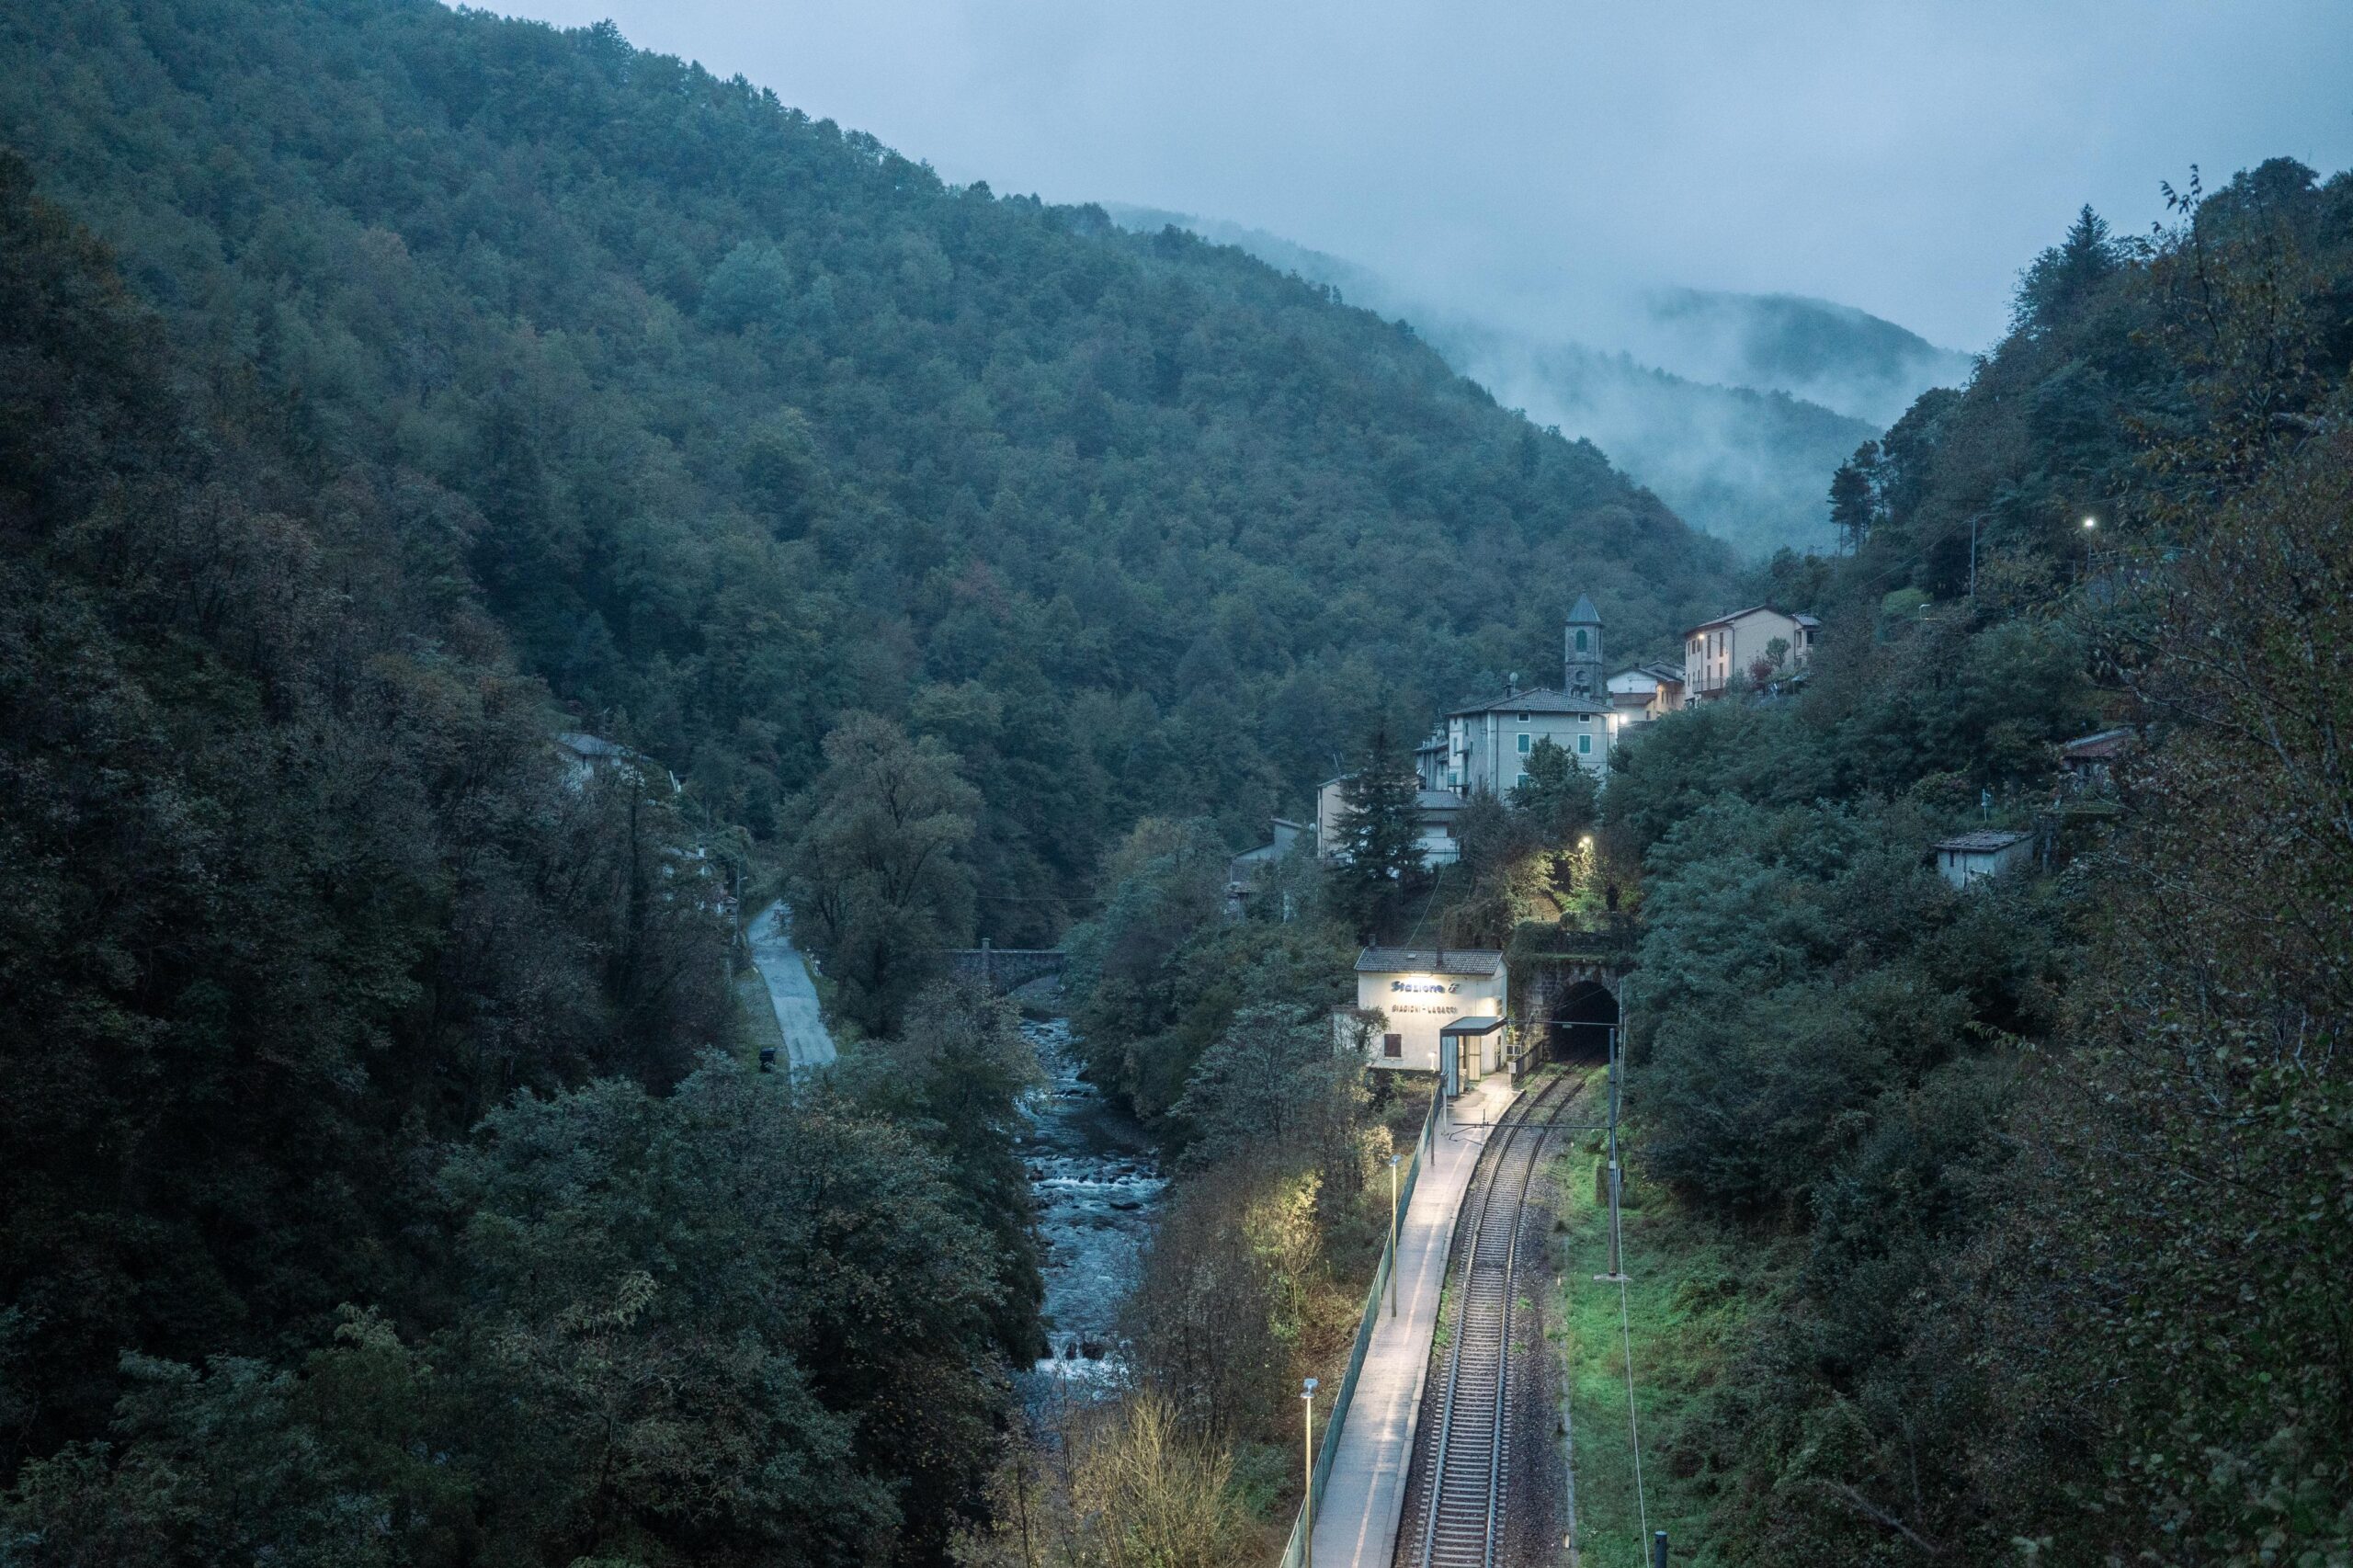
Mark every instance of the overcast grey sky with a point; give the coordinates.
(1519, 155)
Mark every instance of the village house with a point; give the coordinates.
(1440, 1007)
(2087, 764)
(1244, 870)
(1434, 812)
(584, 757)
(1646, 692)
(1487, 743)
(1733, 648)
(1967, 859)
(1484, 746)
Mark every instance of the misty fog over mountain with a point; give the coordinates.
(1735, 408)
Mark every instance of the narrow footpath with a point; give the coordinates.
(1364, 1494)
(792, 993)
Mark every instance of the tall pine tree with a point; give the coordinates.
(1380, 856)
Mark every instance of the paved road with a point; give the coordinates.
(806, 1041)
(1365, 1494)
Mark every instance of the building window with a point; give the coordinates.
(1585, 746)
(1523, 742)
(1584, 717)
(1392, 1045)
(1580, 638)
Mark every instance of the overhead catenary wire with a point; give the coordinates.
(1633, 1424)
(1617, 1252)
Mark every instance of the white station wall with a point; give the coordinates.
(1418, 1005)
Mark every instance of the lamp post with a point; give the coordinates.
(1307, 1504)
(1393, 1235)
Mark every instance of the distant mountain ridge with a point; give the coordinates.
(1834, 355)
(1735, 409)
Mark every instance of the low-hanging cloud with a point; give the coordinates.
(1547, 163)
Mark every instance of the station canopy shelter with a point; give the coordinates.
(1468, 1047)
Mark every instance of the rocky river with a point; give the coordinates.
(1096, 1186)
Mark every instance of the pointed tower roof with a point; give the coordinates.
(1585, 612)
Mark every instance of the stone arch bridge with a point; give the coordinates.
(1004, 969)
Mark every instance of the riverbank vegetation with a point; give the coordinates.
(1216, 1027)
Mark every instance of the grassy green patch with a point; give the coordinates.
(1692, 1285)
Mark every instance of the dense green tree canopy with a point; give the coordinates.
(2063, 1155)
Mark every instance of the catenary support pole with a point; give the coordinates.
(1616, 1262)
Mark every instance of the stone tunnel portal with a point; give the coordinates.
(1579, 1029)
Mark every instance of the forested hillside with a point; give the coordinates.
(2039, 1192)
(377, 1188)
(1727, 437)
(739, 421)
(388, 388)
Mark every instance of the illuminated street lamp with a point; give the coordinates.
(1307, 1507)
(2090, 523)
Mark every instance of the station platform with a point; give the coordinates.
(1364, 1494)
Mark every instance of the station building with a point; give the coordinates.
(1438, 1005)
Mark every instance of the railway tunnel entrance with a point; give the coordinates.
(1578, 1031)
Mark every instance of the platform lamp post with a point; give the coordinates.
(1307, 1497)
(1393, 1235)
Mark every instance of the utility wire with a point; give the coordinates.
(1625, 1318)
(1437, 882)
(1626, 1328)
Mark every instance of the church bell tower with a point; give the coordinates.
(1581, 652)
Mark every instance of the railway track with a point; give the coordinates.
(1455, 1494)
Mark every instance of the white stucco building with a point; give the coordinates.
(1968, 858)
(1435, 811)
(1719, 652)
(1646, 692)
(1487, 743)
(1432, 1000)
